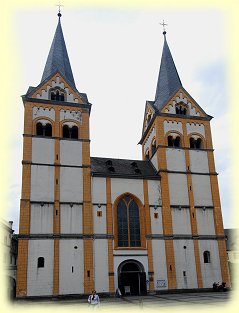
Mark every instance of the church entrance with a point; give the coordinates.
(132, 278)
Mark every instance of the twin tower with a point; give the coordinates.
(100, 223)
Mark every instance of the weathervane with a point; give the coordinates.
(163, 24)
(59, 9)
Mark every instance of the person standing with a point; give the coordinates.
(93, 298)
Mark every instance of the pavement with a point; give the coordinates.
(202, 300)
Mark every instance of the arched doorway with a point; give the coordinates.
(132, 277)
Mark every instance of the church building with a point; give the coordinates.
(87, 223)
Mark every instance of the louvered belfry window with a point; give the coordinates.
(128, 223)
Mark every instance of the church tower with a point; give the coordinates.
(55, 182)
(176, 138)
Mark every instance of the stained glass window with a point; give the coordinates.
(128, 223)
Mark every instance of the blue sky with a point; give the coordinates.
(115, 56)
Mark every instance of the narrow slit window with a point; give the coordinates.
(40, 262)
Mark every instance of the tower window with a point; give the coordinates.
(174, 142)
(147, 155)
(181, 109)
(40, 262)
(42, 130)
(70, 132)
(195, 143)
(206, 257)
(57, 95)
(128, 223)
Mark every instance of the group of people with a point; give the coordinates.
(219, 287)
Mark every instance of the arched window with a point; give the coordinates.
(170, 141)
(174, 142)
(66, 131)
(128, 223)
(74, 132)
(147, 155)
(181, 109)
(70, 132)
(57, 95)
(195, 143)
(48, 130)
(39, 129)
(153, 146)
(177, 142)
(40, 262)
(43, 130)
(206, 257)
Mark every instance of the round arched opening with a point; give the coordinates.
(132, 278)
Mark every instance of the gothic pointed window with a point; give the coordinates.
(128, 223)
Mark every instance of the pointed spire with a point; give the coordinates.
(168, 79)
(58, 59)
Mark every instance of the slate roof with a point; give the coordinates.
(104, 167)
(168, 79)
(58, 59)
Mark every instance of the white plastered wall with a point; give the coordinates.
(175, 159)
(40, 280)
(211, 272)
(101, 265)
(172, 126)
(41, 221)
(71, 219)
(195, 128)
(43, 150)
(198, 161)
(71, 184)
(98, 190)
(154, 192)
(120, 186)
(43, 112)
(205, 222)
(99, 221)
(154, 161)
(42, 183)
(181, 221)
(160, 265)
(70, 114)
(156, 223)
(178, 189)
(202, 190)
(70, 152)
(71, 269)
(185, 261)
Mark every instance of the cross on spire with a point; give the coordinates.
(163, 24)
(59, 9)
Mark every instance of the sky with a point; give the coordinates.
(115, 56)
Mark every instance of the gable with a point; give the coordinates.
(148, 115)
(183, 101)
(54, 83)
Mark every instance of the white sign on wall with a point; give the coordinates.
(161, 283)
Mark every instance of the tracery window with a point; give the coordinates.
(43, 130)
(128, 223)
